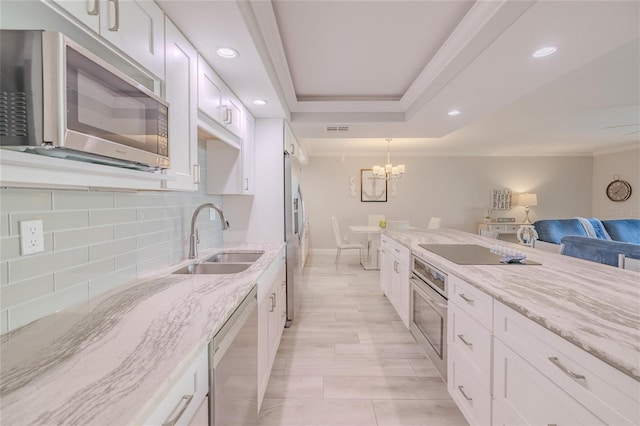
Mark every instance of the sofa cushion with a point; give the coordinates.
(601, 251)
(627, 230)
(552, 230)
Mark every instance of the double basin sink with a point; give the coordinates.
(222, 263)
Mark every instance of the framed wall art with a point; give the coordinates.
(372, 189)
(501, 199)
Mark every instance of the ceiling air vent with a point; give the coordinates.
(337, 129)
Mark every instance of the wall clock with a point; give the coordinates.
(619, 190)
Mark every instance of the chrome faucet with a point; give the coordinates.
(193, 238)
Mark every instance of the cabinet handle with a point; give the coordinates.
(557, 363)
(96, 7)
(246, 184)
(395, 266)
(461, 389)
(196, 173)
(461, 337)
(466, 299)
(284, 314)
(397, 251)
(273, 302)
(116, 25)
(173, 419)
(283, 283)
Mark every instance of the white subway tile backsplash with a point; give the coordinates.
(4, 273)
(150, 213)
(133, 258)
(94, 241)
(23, 291)
(22, 200)
(40, 264)
(10, 247)
(112, 248)
(111, 281)
(38, 308)
(82, 200)
(72, 276)
(4, 321)
(63, 240)
(112, 216)
(52, 221)
(4, 225)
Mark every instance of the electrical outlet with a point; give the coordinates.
(31, 237)
(212, 215)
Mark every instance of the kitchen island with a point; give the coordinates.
(584, 310)
(112, 359)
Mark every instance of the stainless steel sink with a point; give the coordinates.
(213, 268)
(230, 257)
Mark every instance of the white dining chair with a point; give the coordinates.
(434, 223)
(629, 263)
(344, 245)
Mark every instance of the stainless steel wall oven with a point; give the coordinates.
(428, 322)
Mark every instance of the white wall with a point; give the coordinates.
(625, 164)
(457, 189)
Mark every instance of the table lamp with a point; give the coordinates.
(527, 200)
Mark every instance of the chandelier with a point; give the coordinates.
(388, 171)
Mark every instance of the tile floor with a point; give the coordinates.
(349, 360)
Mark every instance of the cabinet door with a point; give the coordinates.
(211, 93)
(86, 11)
(263, 348)
(529, 397)
(234, 119)
(248, 155)
(386, 265)
(180, 91)
(274, 321)
(404, 300)
(137, 28)
(395, 284)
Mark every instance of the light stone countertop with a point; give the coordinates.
(594, 306)
(111, 359)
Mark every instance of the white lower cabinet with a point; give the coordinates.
(539, 377)
(469, 338)
(385, 265)
(394, 276)
(529, 398)
(505, 369)
(272, 312)
(187, 396)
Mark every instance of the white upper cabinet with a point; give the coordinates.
(87, 11)
(231, 168)
(180, 92)
(216, 103)
(134, 26)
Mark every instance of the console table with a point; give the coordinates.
(501, 227)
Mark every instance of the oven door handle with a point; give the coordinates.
(426, 296)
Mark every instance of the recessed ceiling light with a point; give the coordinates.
(259, 102)
(453, 112)
(227, 52)
(545, 51)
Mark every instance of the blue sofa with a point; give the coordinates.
(553, 230)
(593, 239)
(596, 250)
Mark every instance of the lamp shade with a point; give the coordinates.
(528, 200)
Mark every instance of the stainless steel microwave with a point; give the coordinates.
(58, 99)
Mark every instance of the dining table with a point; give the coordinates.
(372, 260)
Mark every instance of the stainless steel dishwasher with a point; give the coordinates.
(233, 367)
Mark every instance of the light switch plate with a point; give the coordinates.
(31, 237)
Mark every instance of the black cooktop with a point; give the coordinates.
(469, 254)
